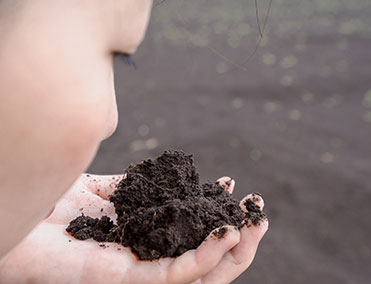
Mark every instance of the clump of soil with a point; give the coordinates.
(254, 213)
(85, 227)
(163, 211)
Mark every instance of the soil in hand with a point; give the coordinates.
(163, 210)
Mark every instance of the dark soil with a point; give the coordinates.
(85, 227)
(254, 214)
(163, 211)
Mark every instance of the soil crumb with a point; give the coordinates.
(254, 213)
(220, 233)
(85, 227)
(163, 210)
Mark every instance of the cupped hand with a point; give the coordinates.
(50, 255)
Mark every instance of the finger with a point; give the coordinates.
(195, 263)
(228, 183)
(102, 185)
(240, 257)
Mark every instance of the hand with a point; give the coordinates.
(50, 255)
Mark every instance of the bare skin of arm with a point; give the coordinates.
(57, 103)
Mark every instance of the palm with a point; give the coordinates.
(50, 255)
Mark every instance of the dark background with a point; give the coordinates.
(295, 126)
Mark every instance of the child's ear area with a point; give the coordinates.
(129, 23)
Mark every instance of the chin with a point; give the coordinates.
(111, 125)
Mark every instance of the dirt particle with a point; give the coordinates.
(220, 233)
(254, 213)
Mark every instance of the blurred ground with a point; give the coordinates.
(296, 126)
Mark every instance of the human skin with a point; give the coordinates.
(57, 103)
(57, 98)
(50, 255)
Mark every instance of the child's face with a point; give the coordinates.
(64, 49)
(57, 98)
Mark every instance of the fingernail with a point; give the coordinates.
(229, 182)
(257, 199)
(222, 232)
